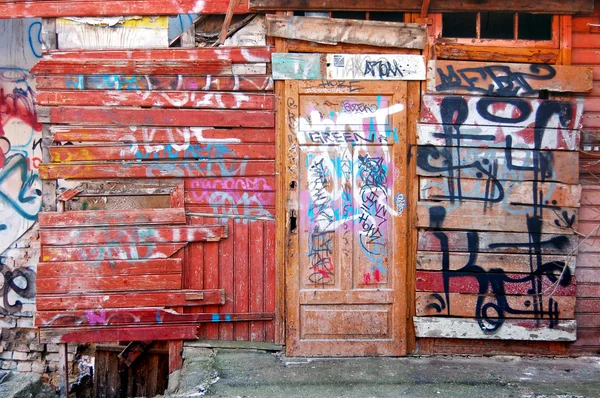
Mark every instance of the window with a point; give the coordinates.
(498, 26)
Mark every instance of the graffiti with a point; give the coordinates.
(19, 282)
(375, 67)
(20, 138)
(357, 107)
(322, 218)
(35, 38)
(400, 203)
(483, 176)
(332, 86)
(493, 80)
(177, 151)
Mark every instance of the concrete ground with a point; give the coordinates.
(253, 373)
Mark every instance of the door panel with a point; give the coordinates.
(345, 260)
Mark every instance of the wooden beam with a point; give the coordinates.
(548, 7)
(333, 31)
(63, 370)
(227, 21)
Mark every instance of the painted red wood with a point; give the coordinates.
(247, 184)
(165, 298)
(227, 261)
(108, 268)
(203, 168)
(66, 237)
(212, 270)
(241, 277)
(185, 82)
(111, 217)
(171, 151)
(162, 117)
(78, 284)
(245, 198)
(110, 252)
(160, 134)
(163, 99)
(256, 259)
(125, 333)
(465, 282)
(270, 276)
(236, 55)
(138, 316)
(93, 67)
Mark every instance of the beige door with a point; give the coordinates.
(346, 243)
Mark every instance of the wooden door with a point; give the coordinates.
(346, 246)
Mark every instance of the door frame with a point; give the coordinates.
(405, 254)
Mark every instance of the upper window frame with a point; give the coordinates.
(553, 43)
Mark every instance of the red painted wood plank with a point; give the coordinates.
(66, 237)
(588, 260)
(591, 119)
(114, 252)
(588, 306)
(588, 290)
(257, 277)
(248, 184)
(170, 151)
(77, 284)
(204, 168)
(165, 298)
(588, 320)
(241, 276)
(238, 55)
(184, 82)
(212, 270)
(111, 217)
(164, 99)
(271, 279)
(108, 268)
(136, 316)
(498, 242)
(128, 333)
(225, 209)
(95, 67)
(585, 56)
(464, 282)
(162, 117)
(227, 279)
(142, 135)
(588, 275)
(230, 198)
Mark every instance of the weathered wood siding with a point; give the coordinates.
(161, 226)
(586, 51)
(499, 202)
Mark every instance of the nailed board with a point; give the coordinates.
(333, 31)
(552, 6)
(348, 66)
(93, 8)
(512, 329)
(505, 80)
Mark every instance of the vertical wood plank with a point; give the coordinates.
(211, 279)
(271, 280)
(63, 370)
(241, 277)
(226, 278)
(175, 355)
(49, 34)
(257, 277)
(566, 44)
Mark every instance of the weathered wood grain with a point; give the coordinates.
(111, 217)
(553, 6)
(478, 216)
(512, 329)
(161, 117)
(509, 165)
(167, 151)
(94, 67)
(497, 137)
(138, 316)
(154, 82)
(502, 79)
(165, 298)
(446, 49)
(333, 31)
(467, 282)
(162, 99)
(102, 268)
(125, 333)
(80, 284)
(496, 111)
(499, 242)
(83, 236)
(202, 168)
(504, 194)
(496, 262)
(85, 8)
(463, 306)
(116, 251)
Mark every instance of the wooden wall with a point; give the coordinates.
(159, 193)
(586, 43)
